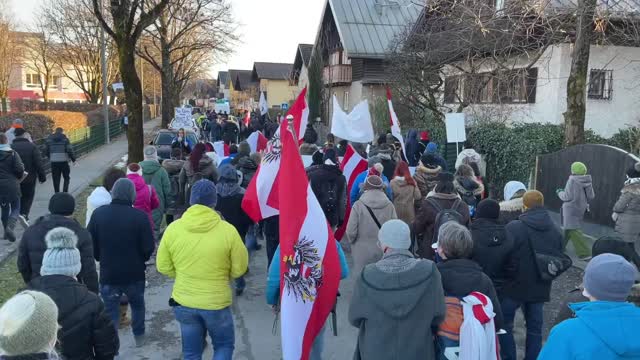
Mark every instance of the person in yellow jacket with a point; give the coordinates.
(203, 253)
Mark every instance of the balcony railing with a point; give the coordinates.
(337, 74)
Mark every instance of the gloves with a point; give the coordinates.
(614, 216)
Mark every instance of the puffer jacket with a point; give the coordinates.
(31, 158)
(576, 196)
(11, 171)
(202, 253)
(155, 175)
(426, 179)
(627, 212)
(33, 246)
(362, 230)
(404, 198)
(206, 169)
(59, 148)
(511, 210)
(146, 197)
(86, 330)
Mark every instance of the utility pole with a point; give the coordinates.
(105, 85)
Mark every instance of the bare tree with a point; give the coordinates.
(128, 20)
(76, 31)
(184, 41)
(9, 51)
(39, 53)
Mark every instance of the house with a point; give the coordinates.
(25, 80)
(274, 80)
(243, 92)
(300, 70)
(536, 91)
(355, 37)
(223, 85)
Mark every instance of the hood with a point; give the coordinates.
(4, 155)
(537, 219)
(397, 293)
(584, 180)
(173, 166)
(512, 205)
(138, 181)
(150, 167)
(412, 135)
(247, 163)
(331, 171)
(463, 184)
(470, 153)
(429, 171)
(375, 199)
(57, 137)
(632, 189)
(199, 219)
(99, 197)
(613, 323)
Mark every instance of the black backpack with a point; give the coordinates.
(444, 216)
(328, 199)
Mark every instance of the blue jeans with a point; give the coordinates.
(251, 239)
(111, 295)
(194, 325)
(533, 316)
(10, 210)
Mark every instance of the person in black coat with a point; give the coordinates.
(461, 275)
(86, 332)
(33, 246)
(32, 160)
(11, 172)
(229, 205)
(123, 242)
(330, 187)
(230, 132)
(526, 290)
(492, 247)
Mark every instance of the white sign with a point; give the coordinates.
(182, 118)
(456, 132)
(117, 86)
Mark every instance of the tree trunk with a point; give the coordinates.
(574, 117)
(133, 93)
(166, 78)
(45, 97)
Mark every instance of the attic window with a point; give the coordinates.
(600, 84)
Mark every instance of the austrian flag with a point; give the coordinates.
(310, 267)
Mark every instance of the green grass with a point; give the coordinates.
(10, 279)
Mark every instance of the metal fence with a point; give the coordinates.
(85, 140)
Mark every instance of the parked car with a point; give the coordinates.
(163, 141)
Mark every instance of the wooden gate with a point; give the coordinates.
(607, 165)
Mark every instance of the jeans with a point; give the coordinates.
(251, 239)
(9, 210)
(533, 315)
(194, 325)
(111, 295)
(58, 169)
(318, 345)
(28, 192)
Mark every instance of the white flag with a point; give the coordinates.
(395, 124)
(356, 126)
(264, 106)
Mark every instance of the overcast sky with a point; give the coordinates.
(270, 29)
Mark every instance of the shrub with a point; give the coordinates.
(38, 125)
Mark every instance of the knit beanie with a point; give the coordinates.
(134, 168)
(395, 234)
(244, 148)
(376, 169)
(488, 209)
(533, 199)
(578, 168)
(150, 153)
(28, 324)
(373, 182)
(62, 256)
(609, 277)
(424, 136)
(62, 204)
(204, 193)
(432, 148)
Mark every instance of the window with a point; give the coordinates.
(345, 100)
(600, 84)
(33, 80)
(504, 87)
(55, 81)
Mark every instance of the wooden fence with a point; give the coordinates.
(607, 165)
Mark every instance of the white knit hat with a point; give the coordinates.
(395, 234)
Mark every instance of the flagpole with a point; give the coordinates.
(292, 127)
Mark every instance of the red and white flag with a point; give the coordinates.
(247, 119)
(261, 199)
(352, 165)
(395, 124)
(310, 267)
(257, 141)
(221, 148)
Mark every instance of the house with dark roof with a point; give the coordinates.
(243, 92)
(354, 38)
(223, 84)
(300, 70)
(274, 79)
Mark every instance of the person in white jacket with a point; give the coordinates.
(102, 195)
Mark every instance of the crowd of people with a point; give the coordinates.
(440, 266)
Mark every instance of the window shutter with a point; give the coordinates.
(532, 82)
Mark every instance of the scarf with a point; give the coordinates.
(227, 189)
(5, 147)
(630, 181)
(477, 333)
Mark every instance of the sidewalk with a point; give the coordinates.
(87, 169)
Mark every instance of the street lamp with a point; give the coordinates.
(105, 85)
